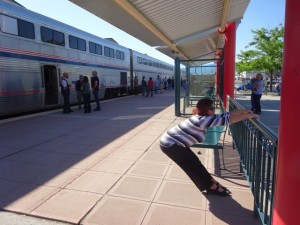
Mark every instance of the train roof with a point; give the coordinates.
(11, 7)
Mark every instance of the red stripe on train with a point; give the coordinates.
(20, 92)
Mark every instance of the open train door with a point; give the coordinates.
(50, 85)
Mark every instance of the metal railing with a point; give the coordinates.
(257, 147)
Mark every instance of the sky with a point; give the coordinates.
(259, 14)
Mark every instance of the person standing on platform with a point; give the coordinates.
(79, 91)
(136, 85)
(65, 90)
(144, 86)
(86, 93)
(252, 81)
(161, 84)
(150, 87)
(156, 85)
(257, 91)
(176, 142)
(95, 88)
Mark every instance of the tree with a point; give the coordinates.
(266, 54)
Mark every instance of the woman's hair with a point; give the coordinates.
(259, 75)
(85, 79)
(203, 107)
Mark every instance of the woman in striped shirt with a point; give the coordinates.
(176, 142)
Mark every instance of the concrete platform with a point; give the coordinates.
(107, 168)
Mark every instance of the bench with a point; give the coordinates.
(212, 140)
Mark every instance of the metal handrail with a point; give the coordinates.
(257, 147)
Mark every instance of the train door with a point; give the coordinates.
(50, 84)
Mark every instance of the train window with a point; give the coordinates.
(120, 55)
(149, 63)
(98, 49)
(17, 27)
(92, 47)
(77, 43)
(25, 29)
(81, 44)
(144, 61)
(140, 60)
(109, 52)
(112, 53)
(59, 38)
(95, 48)
(53, 37)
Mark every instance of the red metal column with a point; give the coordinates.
(287, 188)
(218, 77)
(229, 61)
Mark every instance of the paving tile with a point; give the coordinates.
(136, 188)
(227, 219)
(7, 165)
(177, 174)
(26, 197)
(143, 137)
(147, 169)
(67, 205)
(116, 211)
(24, 172)
(232, 181)
(25, 156)
(156, 156)
(128, 154)
(6, 186)
(94, 181)
(137, 145)
(180, 194)
(171, 215)
(51, 158)
(58, 177)
(48, 146)
(113, 165)
(81, 162)
(239, 203)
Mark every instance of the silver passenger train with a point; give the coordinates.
(35, 51)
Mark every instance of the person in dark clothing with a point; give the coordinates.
(86, 93)
(144, 86)
(176, 142)
(65, 90)
(95, 88)
(136, 85)
(79, 91)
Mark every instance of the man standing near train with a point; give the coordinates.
(65, 90)
(95, 88)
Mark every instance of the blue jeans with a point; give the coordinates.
(96, 96)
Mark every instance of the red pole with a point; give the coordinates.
(218, 77)
(287, 187)
(229, 60)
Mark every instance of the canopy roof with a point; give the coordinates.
(187, 29)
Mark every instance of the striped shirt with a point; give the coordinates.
(193, 130)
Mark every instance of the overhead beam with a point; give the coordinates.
(226, 9)
(195, 36)
(131, 10)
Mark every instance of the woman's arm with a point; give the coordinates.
(243, 114)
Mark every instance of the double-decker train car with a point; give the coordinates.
(35, 51)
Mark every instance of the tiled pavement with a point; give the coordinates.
(106, 168)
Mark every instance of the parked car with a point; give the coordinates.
(243, 87)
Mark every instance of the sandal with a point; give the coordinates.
(219, 190)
